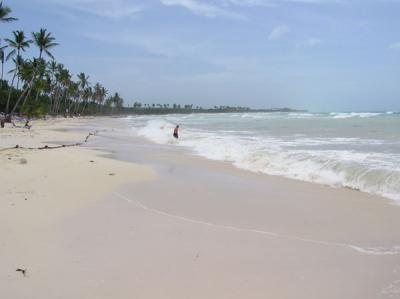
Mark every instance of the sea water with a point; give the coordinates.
(354, 150)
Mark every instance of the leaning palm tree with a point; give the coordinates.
(17, 44)
(4, 14)
(26, 70)
(40, 81)
(44, 41)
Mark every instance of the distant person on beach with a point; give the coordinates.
(176, 132)
(27, 125)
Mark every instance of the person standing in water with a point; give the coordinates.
(176, 132)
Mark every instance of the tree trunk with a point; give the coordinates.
(84, 106)
(77, 105)
(27, 96)
(10, 91)
(30, 85)
(20, 98)
(2, 73)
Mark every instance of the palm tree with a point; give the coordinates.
(73, 95)
(100, 94)
(118, 101)
(26, 70)
(83, 82)
(4, 12)
(65, 83)
(87, 94)
(18, 44)
(51, 80)
(61, 76)
(103, 94)
(44, 41)
(41, 82)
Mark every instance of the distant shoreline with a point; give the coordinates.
(165, 111)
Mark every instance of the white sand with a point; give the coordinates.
(183, 228)
(39, 195)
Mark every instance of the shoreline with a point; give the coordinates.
(189, 151)
(362, 158)
(168, 224)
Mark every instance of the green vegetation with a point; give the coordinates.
(139, 108)
(40, 85)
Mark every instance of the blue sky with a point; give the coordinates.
(336, 55)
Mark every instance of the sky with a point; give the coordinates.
(319, 55)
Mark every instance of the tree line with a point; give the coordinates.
(40, 85)
(139, 108)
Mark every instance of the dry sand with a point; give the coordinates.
(170, 225)
(40, 191)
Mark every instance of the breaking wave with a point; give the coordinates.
(300, 157)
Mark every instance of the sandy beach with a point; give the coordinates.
(121, 217)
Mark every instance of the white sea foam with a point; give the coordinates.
(394, 250)
(353, 114)
(312, 159)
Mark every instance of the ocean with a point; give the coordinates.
(354, 150)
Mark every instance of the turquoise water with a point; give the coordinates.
(354, 150)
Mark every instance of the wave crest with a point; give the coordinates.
(371, 172)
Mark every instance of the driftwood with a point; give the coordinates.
(23, 271)
(47, 147)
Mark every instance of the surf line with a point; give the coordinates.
(368, 250)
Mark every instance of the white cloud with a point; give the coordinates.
(248, 2)
(395, 46)
(220, 8)
(278, 32)
(203, 9)
(105, 8)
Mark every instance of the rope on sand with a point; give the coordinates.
(47, 147)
